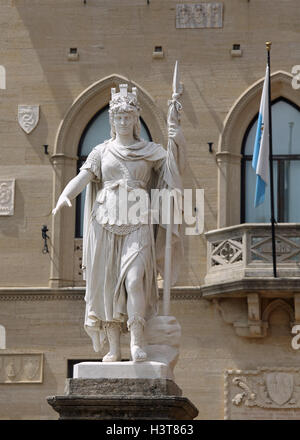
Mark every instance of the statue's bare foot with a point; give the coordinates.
(137, 354)
(112, 357)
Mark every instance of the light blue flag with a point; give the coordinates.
(260, 161)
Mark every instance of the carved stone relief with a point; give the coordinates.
(247, 317)
(28, 117)
(245, 251)
(7, 197)
(265, 393)
(227, 252)
(199, 15)
(287, 248)
(21, 368)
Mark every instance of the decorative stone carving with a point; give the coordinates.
(246, 394)
(255, 323)
(21, 368)
(7, 196)
(265, 393)
(287, 248)
(178, 293)
(28, 117)
(227, 252)
(245, 251)
(199, 15)
(280, 387)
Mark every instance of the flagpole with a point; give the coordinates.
(268, 45)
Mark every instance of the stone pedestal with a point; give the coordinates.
(122, 391)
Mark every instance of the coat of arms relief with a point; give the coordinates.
(262, 393)
(7, 195)
(199, 15)
(28, 117)
(21, 368)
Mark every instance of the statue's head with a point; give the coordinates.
(125, 102)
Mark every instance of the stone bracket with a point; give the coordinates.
(256, 322)
(297, 308)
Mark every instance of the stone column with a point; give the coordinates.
(229, 188)
(63, 225)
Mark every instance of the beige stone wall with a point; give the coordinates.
(209, 347)
(118, 37)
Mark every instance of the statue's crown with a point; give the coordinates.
(124, 93)
(124, 100)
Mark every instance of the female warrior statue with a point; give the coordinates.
(121, 256)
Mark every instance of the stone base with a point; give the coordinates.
(122, 387)
(122, 370)
(127, 397)
(123, 408)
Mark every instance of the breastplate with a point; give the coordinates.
(112, 206)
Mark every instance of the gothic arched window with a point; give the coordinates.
(286, 167)
(96, 132)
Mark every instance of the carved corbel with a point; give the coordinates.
(256, 326)
(253, 326)
(297, 308)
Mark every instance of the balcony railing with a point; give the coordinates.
(245, 251)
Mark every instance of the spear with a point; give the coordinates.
(173, 121)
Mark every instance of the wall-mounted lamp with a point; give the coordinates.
(45, 237)
(210, 144)
(45, 149)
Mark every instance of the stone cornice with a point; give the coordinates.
(77, 293)
(266, 286)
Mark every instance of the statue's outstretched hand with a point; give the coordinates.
(62, 201)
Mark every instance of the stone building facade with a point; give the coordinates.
(59, 60)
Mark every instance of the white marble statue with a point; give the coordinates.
(121, 258)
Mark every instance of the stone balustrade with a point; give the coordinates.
(245, 251)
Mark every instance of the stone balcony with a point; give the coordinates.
(245, 251)
(240, 274)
